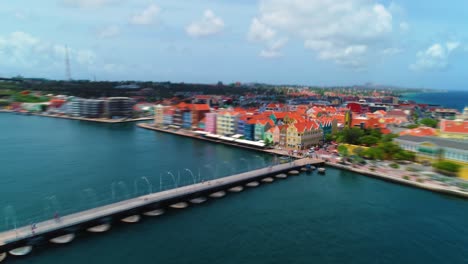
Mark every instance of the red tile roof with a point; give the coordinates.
(200, 107)
(454, 126)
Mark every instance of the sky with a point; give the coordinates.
(310, 42)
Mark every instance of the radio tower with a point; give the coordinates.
(67, 64)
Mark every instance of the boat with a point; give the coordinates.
(236, 189)
(131, 219)
(154, 212)
(63, 239)
(268, 180)
(2, 256)
(294, 172)
(99, 228)
(180, 205)
(281, 176)
(21, 251)
(218, 194)
(198, 200)
(252, 184)
(321, 170)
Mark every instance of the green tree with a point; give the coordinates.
(330, 137)
(412, 126)
(374, 132)
(405, 155)
(428, 122)
(358, 151)
(388, 137)
(389, 149)
(447, 166)
(343, 150)
(374, 153)
(369, 140)
(352, 135)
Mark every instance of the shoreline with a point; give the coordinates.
(96, 120)
(193, 136)
(424, 186)
(378, 175)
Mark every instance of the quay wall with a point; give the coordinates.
(389, 178)
(111, 214)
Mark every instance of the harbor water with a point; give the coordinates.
(53, 165)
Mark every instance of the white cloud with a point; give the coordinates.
(87, 3)
(23, 51)
(85, 57)
(21, 15)
(146, 16)
(392, 51)
(113, 68)
(109, 32)
(340, 31)
(210, 24)
(260, 32)
(435, 57)
(452, 46)
(404, 26)
(273, 49)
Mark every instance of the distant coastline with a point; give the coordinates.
(447, 99)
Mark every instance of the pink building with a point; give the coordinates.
(276, 134)
(210, 123)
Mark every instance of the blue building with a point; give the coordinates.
(249, 130)
(187, 119)
(241, 126)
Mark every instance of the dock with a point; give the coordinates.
(131, 209)
(95, 120)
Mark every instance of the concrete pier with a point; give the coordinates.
(17, 240)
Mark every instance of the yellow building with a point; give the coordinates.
(454, 129)
(303, 135)
(159, 115)
(226, 123)
(433, 149)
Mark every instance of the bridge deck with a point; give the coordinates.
(106, 210)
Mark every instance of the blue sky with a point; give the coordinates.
(327, 42)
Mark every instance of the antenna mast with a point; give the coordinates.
(67, 64)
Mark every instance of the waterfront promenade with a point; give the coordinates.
(396, 176)
(96, 120)
(189, 134)
(49, 226)
(392, 175)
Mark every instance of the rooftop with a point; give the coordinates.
(463, 145)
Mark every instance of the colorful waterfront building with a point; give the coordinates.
(276, 134)
(180, 111)
(454, 129)
(198, 113)
(201, 125)
(261, 126)
(283, 137)
(168, 116)
(159, 114)
(241, 122)
(432, 149)
(303, 135)
(249, 129)
(268, 136)
(187, 119)
(210, 122)
(226, 123)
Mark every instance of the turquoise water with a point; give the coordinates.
(340, 217)
(451, 99)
